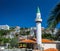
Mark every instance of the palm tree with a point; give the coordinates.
(54, 17)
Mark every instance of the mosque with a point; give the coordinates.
(42, 44)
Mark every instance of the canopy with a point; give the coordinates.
(27, 41)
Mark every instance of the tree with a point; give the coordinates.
(58, 35)
(48, 36)
(14, 42)
(24, 31)
(4, 32)
(54, 17)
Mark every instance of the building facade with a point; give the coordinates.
(4, 27)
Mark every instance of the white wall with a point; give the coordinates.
(48, 45)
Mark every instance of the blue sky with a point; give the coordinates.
(23, 12)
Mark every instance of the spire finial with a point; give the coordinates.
(38, 10)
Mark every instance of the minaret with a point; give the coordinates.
(38, 28)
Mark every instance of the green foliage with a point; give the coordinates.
(54, 17)
(14, 42)
(11, 28)
(4, 32)
(46, 36)
(58, 35)
(4, 40)
(49, 36)
(24, 31)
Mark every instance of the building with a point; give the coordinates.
(17, 29)
(4, 27)
(32, 31)
(39, 43)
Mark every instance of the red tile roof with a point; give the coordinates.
(44, 40)
(51, 49)
(27, 41)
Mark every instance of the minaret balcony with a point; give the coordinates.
(38, 20)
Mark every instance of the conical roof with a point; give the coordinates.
(38, 10)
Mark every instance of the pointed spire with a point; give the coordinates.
(38, 10)
(38, 15)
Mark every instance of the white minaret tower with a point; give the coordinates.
(38, 28)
